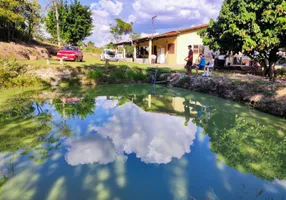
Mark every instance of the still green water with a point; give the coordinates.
(134, 142)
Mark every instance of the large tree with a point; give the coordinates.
(255, 28)
(75, 21)
(21, 17)
(10, 15)
(32, 15)
(120, 28)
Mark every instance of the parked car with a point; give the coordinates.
(108, 54)
(70, 53)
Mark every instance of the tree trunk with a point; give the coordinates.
(58, 26)
(273, 58)
(13, 31)
(30, 37)
(8, 32)
(268, 64)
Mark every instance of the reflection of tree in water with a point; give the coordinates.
(24, 129)
(187, 111)
(79, 107)
(250, 147)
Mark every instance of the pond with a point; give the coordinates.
(122, 142)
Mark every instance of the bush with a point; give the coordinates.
(12, 74)
(94, 75)
(137, 75)
(281, 73)
(93, 50)
(113, 74)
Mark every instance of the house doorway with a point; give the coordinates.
(155, 53)
(161, 55)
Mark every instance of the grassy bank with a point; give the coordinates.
(256, 91)
(13, 74)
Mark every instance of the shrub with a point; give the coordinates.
(12, 74)
(94, 75)
(281, 73)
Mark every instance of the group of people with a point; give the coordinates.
(207, 67)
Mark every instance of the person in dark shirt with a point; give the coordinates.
(189, 60)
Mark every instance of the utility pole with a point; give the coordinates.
(153, 19)
(57, 21)
(150, 41)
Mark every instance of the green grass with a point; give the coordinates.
(92, 61)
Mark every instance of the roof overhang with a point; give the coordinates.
(165, 35)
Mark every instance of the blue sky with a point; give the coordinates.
(172, 14)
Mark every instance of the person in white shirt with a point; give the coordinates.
(154, 57)
(208, 68)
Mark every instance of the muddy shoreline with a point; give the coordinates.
(255, 91)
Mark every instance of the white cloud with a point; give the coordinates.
(105, 103)
(132, 130)
(174, 11)
(131, 18)
(171, 15)
(281, 183)
(91, 149)
(113, 7)
(103, 14)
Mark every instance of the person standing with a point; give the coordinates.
(189, 60)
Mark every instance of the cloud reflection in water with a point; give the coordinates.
(153, 137)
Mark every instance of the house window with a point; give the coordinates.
(171, 48)
(198, 49)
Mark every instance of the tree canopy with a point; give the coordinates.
(255, 28)
(120, 28)
(75, 22)
(19, 19)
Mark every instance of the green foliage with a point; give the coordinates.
(120, 28)
(135, 36)
(250, 147)
(12, 74)
(136, 75)
(9, 11)
(110, 46)
(72, 81)
(90, 44)
(95, 75)
(75, 22)
(122, 74)
(25, 127)
(281, 73)
(82, 108)
(20, 19)
(95, 50)
(129, 50)
(32, 15)
(249, 26)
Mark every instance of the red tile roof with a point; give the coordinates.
(167, 34)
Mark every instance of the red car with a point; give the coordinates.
(70, 53)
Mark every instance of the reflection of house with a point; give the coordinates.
(170, 47)
(170, 105)
(178, 104)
